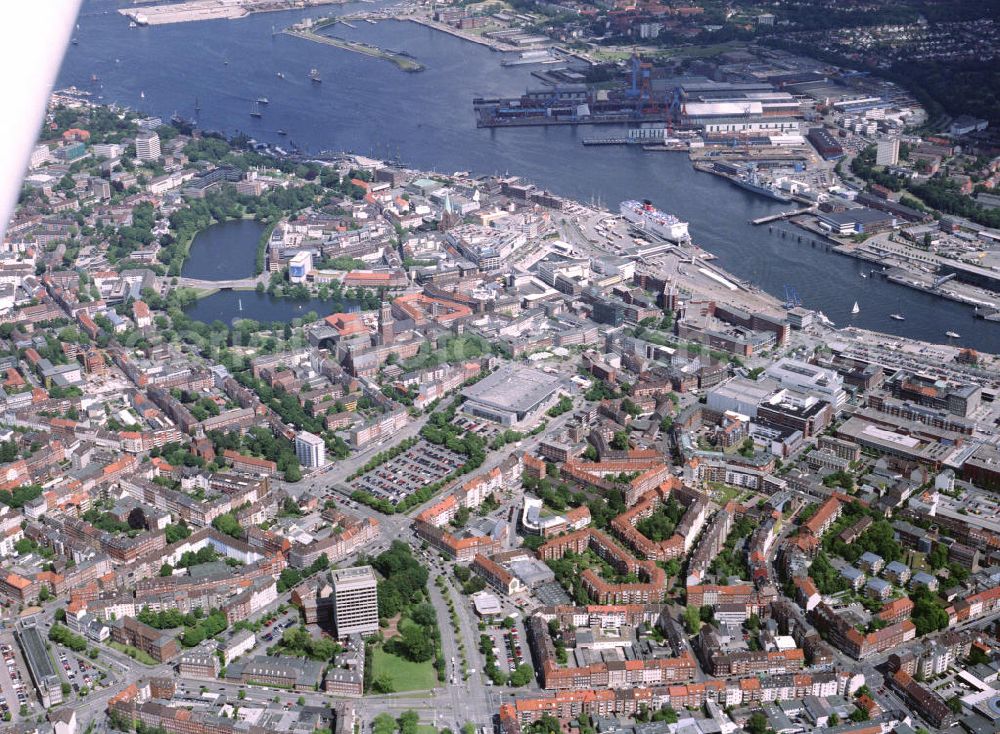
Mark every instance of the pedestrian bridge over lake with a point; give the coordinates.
(236, 284)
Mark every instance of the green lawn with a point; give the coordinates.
(405, 676)
(725, 493)
(134, 652)
(702, 51)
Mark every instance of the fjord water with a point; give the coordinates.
(368, 106)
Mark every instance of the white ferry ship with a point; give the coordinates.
(649, 219)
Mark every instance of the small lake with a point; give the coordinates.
(228, 251)
(225, 306)
(224, 251)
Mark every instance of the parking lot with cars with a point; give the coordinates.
(486, 429)
(14, 682)
(275, 626)
(83, 676)
(515, 653)
(507, 648)
(500, 650)
(424, 463)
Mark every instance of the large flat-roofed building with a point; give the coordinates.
(983, 467)
(794, 410)
(858, 219)
(826, 145)
(824, 383)
(900, 439)
(741, 395)
(926, 414)
(355, 601)
(43, 672)
(510, 395)
(487, 247)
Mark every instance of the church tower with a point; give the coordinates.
(386, 332)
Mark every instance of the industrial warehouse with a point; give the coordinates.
(688, 103)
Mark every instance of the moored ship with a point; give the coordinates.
(649, 219)
(761, 189)
(750, 181)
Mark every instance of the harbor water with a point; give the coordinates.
(369, 106)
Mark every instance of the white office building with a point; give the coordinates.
(823, 383)
(107, 150)
(355, 601)
(40, 156)
(147, 146)
(310, 449)
(299, 266)
(887, 152)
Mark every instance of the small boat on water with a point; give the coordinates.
(863, 275)
(282, 132)
(255, 110)
(857, 309)
(142, 95)
(953, 335)
(263, 100)
(75, 42)
(281, 75)
(897, 316)
(314, 76)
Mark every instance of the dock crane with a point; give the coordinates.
(676, 108)
(641, 86)
(792, 299)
